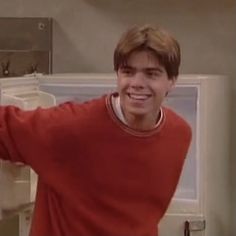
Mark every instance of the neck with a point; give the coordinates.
(142, 123)
(134, 121)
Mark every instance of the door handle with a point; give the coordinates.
(186, 228)
(197, 225)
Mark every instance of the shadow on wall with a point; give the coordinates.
(134, 11)
(66, 54)
(154, 7)
(233, 160)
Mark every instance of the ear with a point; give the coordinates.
(172, 83)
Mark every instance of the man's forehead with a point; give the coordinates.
(127, 66)
(156, 67)
(146, 57)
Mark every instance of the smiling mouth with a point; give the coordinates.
(139, 97)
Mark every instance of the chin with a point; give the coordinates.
(138, 112)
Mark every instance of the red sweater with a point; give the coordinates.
(97, 177)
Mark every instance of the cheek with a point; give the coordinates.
(166, 88)
(121, 84)
(118, 84)
(160, 90)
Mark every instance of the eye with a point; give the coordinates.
(152, 74)
(127, 71)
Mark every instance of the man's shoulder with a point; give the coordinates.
(176, 121)
(86, 105)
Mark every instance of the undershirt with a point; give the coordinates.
(118, 111)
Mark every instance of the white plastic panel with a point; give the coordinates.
(24, 92)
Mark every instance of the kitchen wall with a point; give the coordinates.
(86, 31)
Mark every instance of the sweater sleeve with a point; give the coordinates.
(24, 134)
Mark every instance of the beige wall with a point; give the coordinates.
(86, 31)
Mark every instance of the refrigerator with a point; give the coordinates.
(201, 204)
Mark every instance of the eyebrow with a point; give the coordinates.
(154, 69)
(159, 69)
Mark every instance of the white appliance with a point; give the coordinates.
(201, 205)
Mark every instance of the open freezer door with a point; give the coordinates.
(18, 182)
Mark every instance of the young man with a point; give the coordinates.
(109, 166)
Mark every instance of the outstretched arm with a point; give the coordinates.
(26, 133)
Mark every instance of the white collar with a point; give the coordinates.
(115, 101)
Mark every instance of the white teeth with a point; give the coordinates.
(138, 96)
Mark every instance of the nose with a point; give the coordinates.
(138, 80)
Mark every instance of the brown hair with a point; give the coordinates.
(162, 44)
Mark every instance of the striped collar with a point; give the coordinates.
(115, 102)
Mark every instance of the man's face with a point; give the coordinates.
(142, 85)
